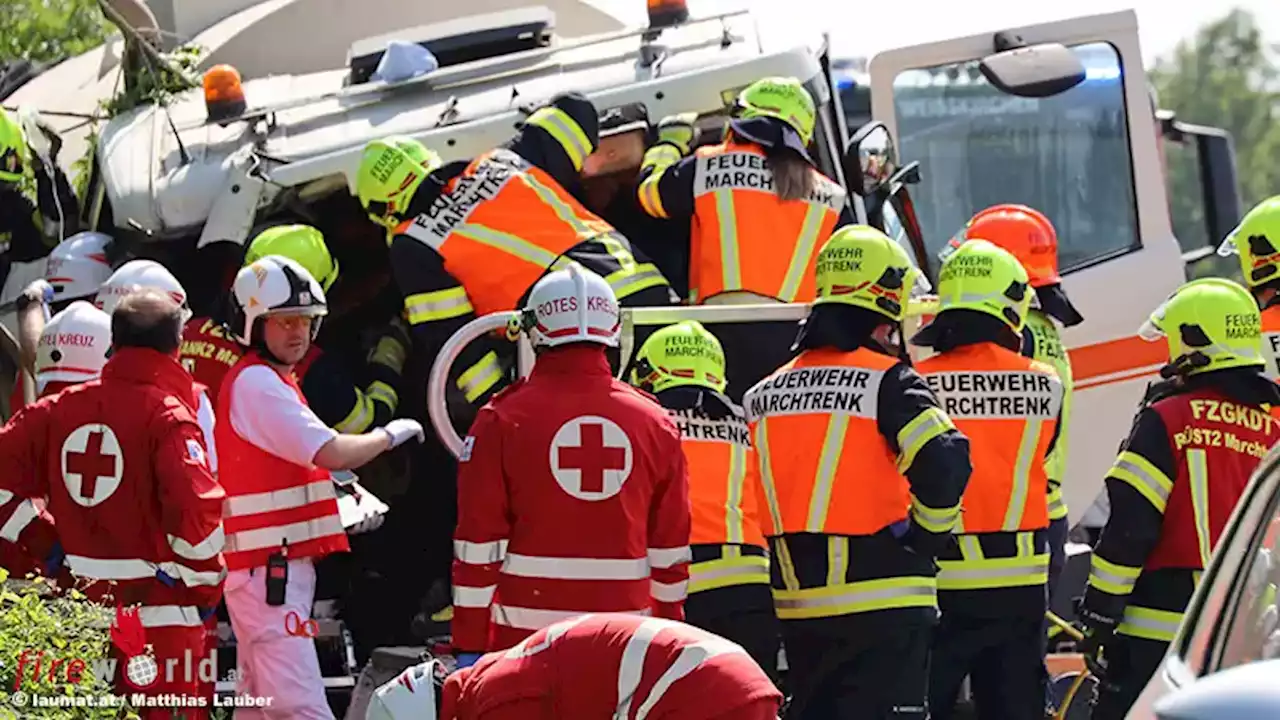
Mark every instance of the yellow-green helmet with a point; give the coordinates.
(302, 244)
(391, 169)
(863, 267)
(683, 354)
(1257, 241)
(13, 148)
(986, 278)
(1210, 324)
(782, 98)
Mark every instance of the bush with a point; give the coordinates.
(68, 627)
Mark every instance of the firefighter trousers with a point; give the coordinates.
(1003, 657)
(743, 614)
(1131, 661)
(867, 666)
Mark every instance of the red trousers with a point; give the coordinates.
(178, 653)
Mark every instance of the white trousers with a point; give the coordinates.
(271, 663)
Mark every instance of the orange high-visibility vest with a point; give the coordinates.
(824, 466)
(745, 238)
(1007, 405)
(500, 225)
(723, 479)
(1271, 340)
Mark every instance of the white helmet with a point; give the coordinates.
(74, 345)
(138, 275)
(413, 695)
(571, 305)
(274, 285)
(78, 266)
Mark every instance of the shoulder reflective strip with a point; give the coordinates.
(381, 392)
(535, 619)
(828, 462)
(669, 557)
(287, 499)
(558, 206)
(735, 482)
(726, 572)
(837, 559)
(482, 553)
(555, 631)
(5, 496)
(856, 597)
(473, 597)
(561, 126)
(22, 516)
(437, 305)
(359, 417)
(935, 520)
(993, 573)
(631, 666)
(1149, 623)
(786, 568)
(1198, 475)
(294, 534)
(153, 616)
(727, 224)
(802, 255)
(561, 568)
(203, 550)
(629, 281)
(690, 658)
(476, 380)
(913, 436)
(1111, 578)
(507, 243)
(669, 592)
(766, 477)
(1144, 477)
(1026, 460)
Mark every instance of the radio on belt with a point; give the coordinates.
(277, 575)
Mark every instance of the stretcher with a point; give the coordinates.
(1071, 683)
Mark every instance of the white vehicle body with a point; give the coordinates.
(176, 177)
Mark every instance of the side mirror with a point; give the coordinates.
(1244, 692)
(870, 159)
(1033, 71)
(1216, 155)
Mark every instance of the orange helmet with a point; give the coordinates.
(1025, 232)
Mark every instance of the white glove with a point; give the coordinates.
(401, 429)
(38, 291)
(369, 524)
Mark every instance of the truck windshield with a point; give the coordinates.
(1067, 156)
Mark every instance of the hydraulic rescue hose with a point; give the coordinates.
(1081, 677)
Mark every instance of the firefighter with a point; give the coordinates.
(1257, 241)
(37, 205)
(992, 581)
(612, 665)
(472, 237)
(281, 510)
(1193, 446)
(121, 461)
(861, 475)
(573, 494)
(1029, 236)
(683, 366)
(759, 210)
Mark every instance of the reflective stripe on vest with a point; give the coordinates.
(499, 227)
(744, 237)
(722, 489)
(731, 568)
(1047, 348)
(824, 468)
(975, 571)
(1007, 406)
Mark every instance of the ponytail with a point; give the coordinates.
(792, 175)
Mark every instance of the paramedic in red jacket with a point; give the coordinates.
(613, 665)
(572, 491)
(120, 462)
(276, 457)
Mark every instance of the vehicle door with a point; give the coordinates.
(1087, 158)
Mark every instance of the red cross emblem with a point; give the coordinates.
(91, 455)
(591, 457)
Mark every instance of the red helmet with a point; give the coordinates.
(1025, 232)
